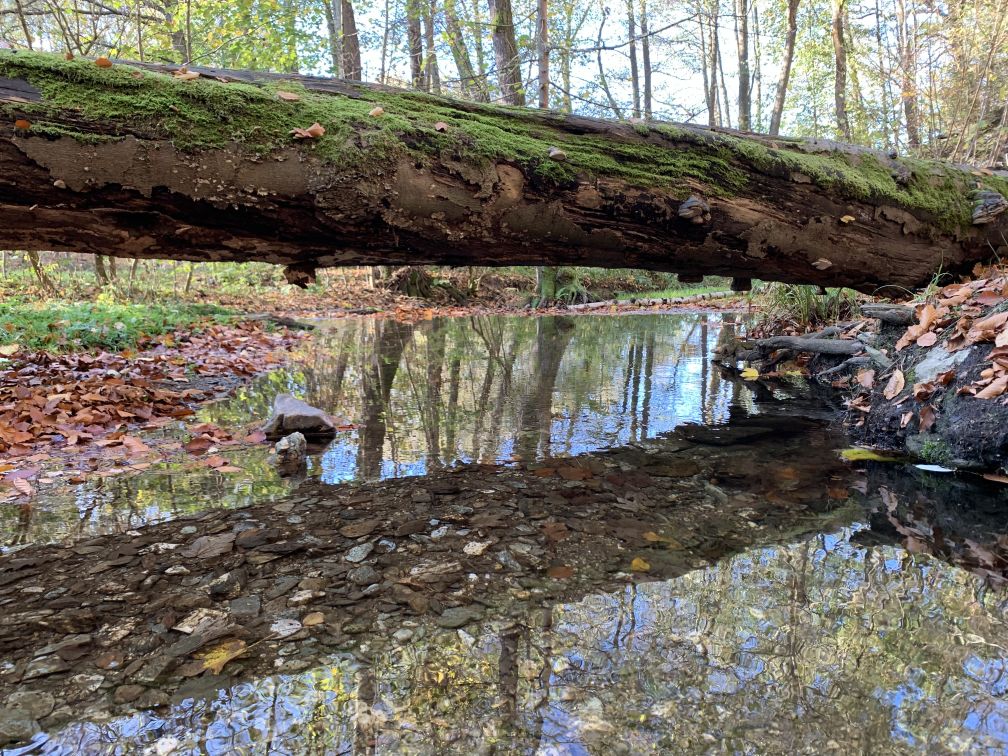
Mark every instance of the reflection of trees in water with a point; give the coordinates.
(779, 649)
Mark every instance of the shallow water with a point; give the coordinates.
(873, 621)
(425, 396)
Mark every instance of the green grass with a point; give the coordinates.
(86, 326)
(805, 307)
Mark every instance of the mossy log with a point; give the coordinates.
(133, 161)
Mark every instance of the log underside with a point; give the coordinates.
(139, 195)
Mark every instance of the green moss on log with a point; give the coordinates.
(91, 103)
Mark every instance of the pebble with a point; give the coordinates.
(364, 575)
(459, 616)
(125, 694)
(359, 553)
(303, 597)
(245, 608)
(313, 619)
(284, 628)
(476, 548)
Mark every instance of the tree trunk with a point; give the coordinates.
(646, 59)
(840, 77)
(203, 186)
(742, 45)
(431, 74)
(634, 68)
(502, 30)
(333, 27)
(350, 43)
(414, 41)
(473, 86)
(542, 45)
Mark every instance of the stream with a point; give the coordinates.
(676, 561)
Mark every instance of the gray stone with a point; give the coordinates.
(16, 725)
(291, 452)
(360, 552)
(282, 586)
(47, 665)
(364, 575)
(938, 360)
(125, 694)
(245, 608)
(460, 615)
(290, 415)
(37, 703)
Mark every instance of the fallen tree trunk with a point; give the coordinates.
(132, 161)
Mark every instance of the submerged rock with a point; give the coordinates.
(291, 414)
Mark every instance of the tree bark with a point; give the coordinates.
(133, 185)
(350, 42)
(742, 45)
(840, 75)
(502, 30)
(542, 45)
(646, 59)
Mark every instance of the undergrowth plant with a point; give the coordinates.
(804, 308)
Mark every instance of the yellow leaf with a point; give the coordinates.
(639, 565)
(750, 374)
(288, 96)
(8, 350)
(845, 219)
(215, 658)
(652, 537)
(858, 454)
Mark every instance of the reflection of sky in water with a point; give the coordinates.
(817, 649)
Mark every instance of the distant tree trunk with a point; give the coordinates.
(414, 40)
(709, 71)
(350, 43)
(840, 77)
(603, 80)
(744, 82)
(542, 44)
(47, 283)
(785, 73)
(646, 59)
(502, 30)
(335, 35)
(386, 32)
(907, 43)
(720, 69)
(431, 74)
(634, 72)
(100, 272)
(472, 85)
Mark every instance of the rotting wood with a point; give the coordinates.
(212, 173)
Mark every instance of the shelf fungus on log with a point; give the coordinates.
(695, 210)
(135, 162)
(987, 206)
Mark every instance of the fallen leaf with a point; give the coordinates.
(215, 658)
(845, 219)
(822, 264)
(994, 390)
(928, 339)
(198, 445)
(905, 419)
(441, 126)
(9, 350)
(749, 374)
(23, 486)
(560, 572)
(314, 131)
(255, 437)
(639, 565)
(103, 62)
(376, 111)
(927, 418)
(866, 378)
(185, 75)
(22, 124)
(895, 385)
(288, 96)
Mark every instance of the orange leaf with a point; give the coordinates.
(103, 62)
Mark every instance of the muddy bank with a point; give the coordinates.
(928, 378)
(141, 619)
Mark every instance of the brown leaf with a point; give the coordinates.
(560, 572)
(995, 389)
(895, 385)
(822, 264)
(441, 126)
(866, 378)
(184, 74)
(923, 391)
(927, 418)
(22, 124)
(928, 339)
(376, 111)
(22, 486)
(905, 419)
(314, 131)
(288, 96)
(198, 445)
(944, 379)
(103, 62)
